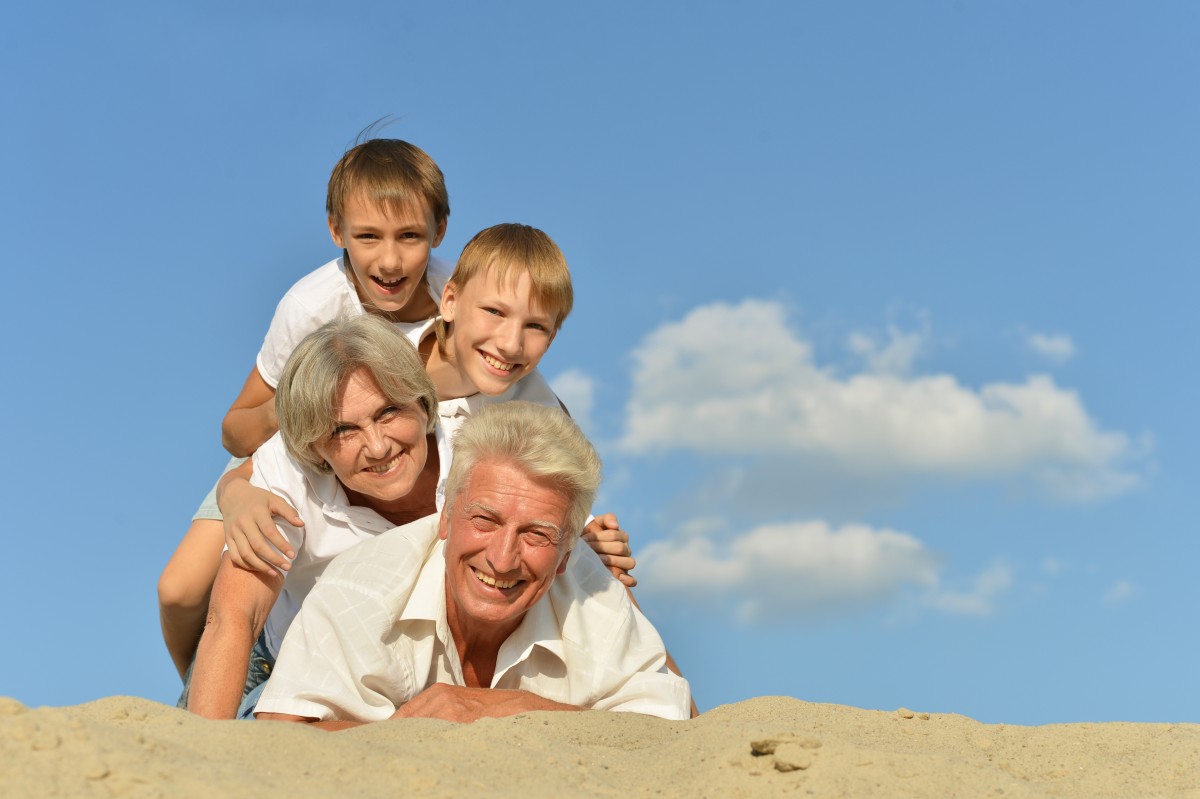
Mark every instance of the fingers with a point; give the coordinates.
(622, 562)
(626, 579)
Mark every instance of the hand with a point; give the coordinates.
(605, 536)
(254, 540)
(462, 704)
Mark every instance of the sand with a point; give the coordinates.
(771, 746)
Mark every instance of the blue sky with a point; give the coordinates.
(881, 323)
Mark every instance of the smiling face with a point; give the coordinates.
(498, 332)
(388, 254)
(376, 449)
(505, 541)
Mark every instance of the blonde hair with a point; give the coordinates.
(542, 441)
(310, 389)
(390, 172)
(512, 250)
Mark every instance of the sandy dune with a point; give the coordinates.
(772, 746)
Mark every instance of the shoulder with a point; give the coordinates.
(438, 273)
(534, 388)
(326, 286)
(387, 563)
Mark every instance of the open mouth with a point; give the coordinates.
(389, 286)
(492, 581)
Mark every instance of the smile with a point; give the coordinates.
(483, 578)
(503, 366)
(389, 285)
(384, 467)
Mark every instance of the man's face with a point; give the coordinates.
(505, 541)
(499, 333)
(388, 254)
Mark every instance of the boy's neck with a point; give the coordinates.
(448, 380)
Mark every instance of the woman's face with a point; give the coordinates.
(376, 449)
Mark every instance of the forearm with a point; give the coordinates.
(463, 704)
(219, 674)
(245, 429)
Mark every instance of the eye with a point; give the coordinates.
(537, 326)
(387, 413)
(410, 234)
(342, 430)
(492, 311)
(365, 236)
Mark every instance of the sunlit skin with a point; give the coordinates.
(505, 540)
(376, 449)
(388, 255)
(498, 334)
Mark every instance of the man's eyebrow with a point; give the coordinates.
(558, 533)
(474, 506)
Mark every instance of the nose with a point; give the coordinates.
(389, 254)
(503, 552)
(375, 443)
(510, 339)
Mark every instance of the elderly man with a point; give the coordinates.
(475, 613)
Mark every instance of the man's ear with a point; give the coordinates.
(449, 301)
(335, 231)
(562, 566)
(444, 523)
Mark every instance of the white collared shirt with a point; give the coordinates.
(453, 414)
(373, 634)
(331, 526)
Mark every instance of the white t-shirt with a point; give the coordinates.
(331, 526)
(321, 296)
(453, 413)
(373, 634)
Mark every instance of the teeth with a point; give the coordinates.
(501, 365)
(385, 466)
(483, 578)
(388, 284)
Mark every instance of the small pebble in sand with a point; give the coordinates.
(792, 757)
(905, 713)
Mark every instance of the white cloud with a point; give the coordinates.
(792, 569)
(987, 586)
(577, 391)
(735, 380)
(1120, 591)
(893, 358)
(1057, 347)
(1052, 566)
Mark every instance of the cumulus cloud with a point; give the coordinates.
(1057, 347)
(735, 380)
(803, 568)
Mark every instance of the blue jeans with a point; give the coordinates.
(261, 663)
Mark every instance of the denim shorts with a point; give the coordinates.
(208, 508)
(261, 663)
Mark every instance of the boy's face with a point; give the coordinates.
(388, 254)
(499, 333)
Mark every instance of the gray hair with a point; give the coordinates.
(310, 389)
(542, 441)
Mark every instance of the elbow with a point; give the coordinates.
(232, 442)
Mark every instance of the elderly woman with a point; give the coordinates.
(356, 413)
